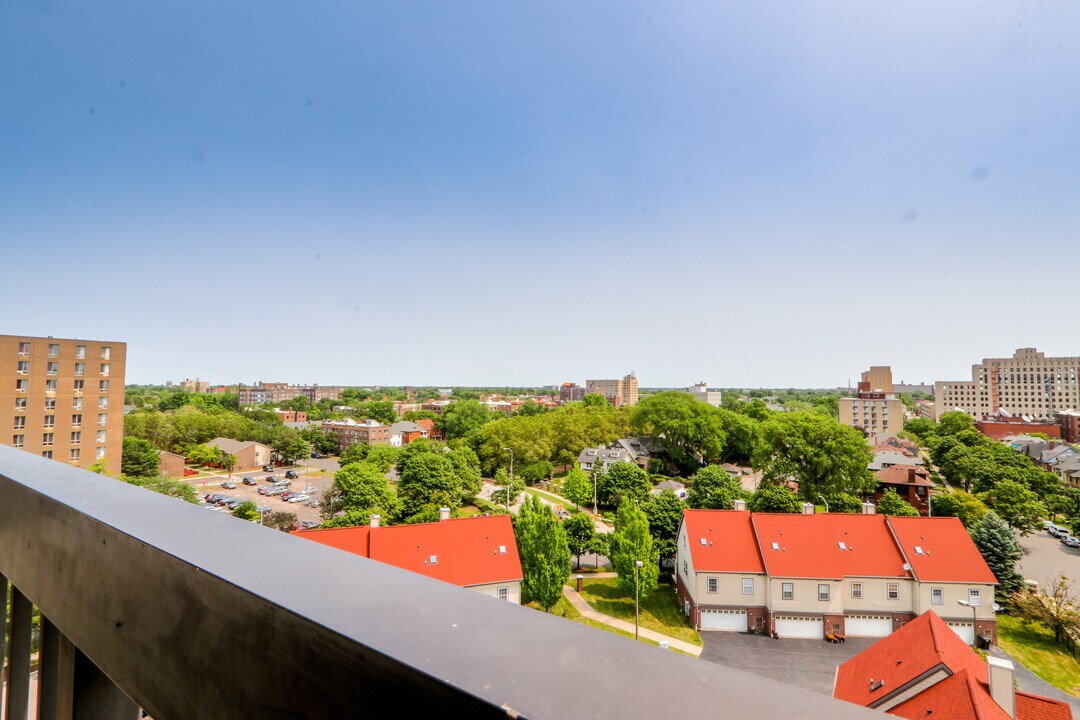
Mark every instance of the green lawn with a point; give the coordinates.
(1034, 646)
(565, 609)
(660, 611)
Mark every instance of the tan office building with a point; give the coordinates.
(63, 399)
(875, 410)
(1028, 383)
(618, 392)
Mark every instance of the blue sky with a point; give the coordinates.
(750, 194)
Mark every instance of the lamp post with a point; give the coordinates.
(822, 497)
(509, 480)
(974, 625)
(594, 490)
(637, 605)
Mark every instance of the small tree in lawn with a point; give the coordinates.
(499, 494)
(773, 497)
(577, 488)
(631, 542)
(246, 511)
(1001, 552)
(579, 535)
(893, 504)
(1056, 608)
(544, 552)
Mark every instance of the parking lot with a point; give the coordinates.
(1045, 557)
(309, 477)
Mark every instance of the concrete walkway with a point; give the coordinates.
(586, 610)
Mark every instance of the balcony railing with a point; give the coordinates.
(148, 602)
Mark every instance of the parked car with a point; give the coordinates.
(232, 503)
(308, 524)
(274, 491)
(316, 455)
(292, 474)
(283, 483)
(310, 489)
(268, 468)
(250, 481)
(228, 485)
(298, 498)
(312, 503)
(272, 478)
(1062, 531)
(1071, 541)
(287, 494)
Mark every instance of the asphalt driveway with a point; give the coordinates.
(809, 664)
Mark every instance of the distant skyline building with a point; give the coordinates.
(63, 399)
(701, 392)
(618, 392)
(196, 386)
(1027, 384)
(875, 409)
(262, 392)
(571, 392)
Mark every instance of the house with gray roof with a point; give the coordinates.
(673, 485)
(604, 457)
(248, 454)
(888, 458)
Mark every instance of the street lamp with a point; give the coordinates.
(974, 623)
(822, 497)
(637, 605)
(510, 480)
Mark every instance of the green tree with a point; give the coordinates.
(623, 480)
(357, 452)
(463, 419)
(203, 455)
(360, 488)
(140, 459)
(824, 456)
(596, 400)
(544, 551)
(893, 504)
(283, 521)
(965, 506)
(664, 512)
(630, 542)
(713, 488)
(428, 479)
(1001, 552)
(740, 432)
(298, 450)
(499, 491)
(952, 423)
(246, 511)
(467, 467)
(579, 535)
(844, 503)
(166, 486)
(1056, 608)
(691, 431)
(577, 488)
(1016, 505)
(382, 457)
(773, 497)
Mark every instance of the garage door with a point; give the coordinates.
(966, 631)
(798, 627)
(723, 620)
(868, 625)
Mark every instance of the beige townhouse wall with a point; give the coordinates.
(876, 595)
(805, 598)
(729, 589)
(512, 588)
(950, 595)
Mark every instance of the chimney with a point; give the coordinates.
(868, 508)
(740, 504)
(912, 475)
(1001, 684)
(375, 521)
(807, 508)
(444, 513)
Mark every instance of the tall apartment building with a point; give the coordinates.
(875, 409)
(63, 399)
(1028, 383)
(196, 386)
(618, 392)
(350, 432)
(262, 392)
(571, 392)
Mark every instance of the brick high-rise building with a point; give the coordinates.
(63, 399)
(875, 409)
(1028, 383)
(618, 392)
(571, 392)
(262, 392)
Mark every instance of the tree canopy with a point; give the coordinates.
(824, 456)
(664, 512)
(544, 551)
(630, 542)
(139, 458)
(773, 497)
(1001, 551)
(691, 431)
(623, 480)
(892, 504)
(713, 488)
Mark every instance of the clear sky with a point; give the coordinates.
(493, 193)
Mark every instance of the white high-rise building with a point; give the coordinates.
(1027, 384)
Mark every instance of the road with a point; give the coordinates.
(1045, 558)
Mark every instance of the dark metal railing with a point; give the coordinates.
(149, 602)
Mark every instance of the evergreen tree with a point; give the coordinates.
(1001, 551)
(544, 551)
(631, 542)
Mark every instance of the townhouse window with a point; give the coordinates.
(20, 403)
(685, 569)
(975, 596)
(80, 352)
(52, 368)
(75, 454)
(54, 350)
(50, 403)
(937, 596)
(105, 352)
(18, 440)
(51, 384)
(76, 437)
(46, 439)
(504, 593)
(103, 385)
(24, 348)
(21, 385)
(823, 592)
(748, 586)
(23, 367)
(76, 403)
(893, 590)
(20, 422)
(50, 421)
(787, 591)
(100, 453)
(47, 454)
(713, 585)
(78, 385)
(80, 368)
(76, 420)
(101, 436)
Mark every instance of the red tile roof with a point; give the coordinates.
(730, 544)
(912, 654)
(947, 552)
(902, 475)
(426, 423)
(465, 551)
(810, 546)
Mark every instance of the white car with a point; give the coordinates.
(298, 498)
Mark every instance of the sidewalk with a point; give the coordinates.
(583, 607)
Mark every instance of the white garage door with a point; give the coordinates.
(868, 625)
(723, 620)
(966, 631)
(798, 627)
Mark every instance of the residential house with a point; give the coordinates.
(805, 575)
(171, 464)
(248, 454)
(925, 670)
(433, 433)
(673, 485)
(911, 482)
(641, 449)
(888, 458)
(405, 431)
(603, 456)
(291, 416)
(478, 553)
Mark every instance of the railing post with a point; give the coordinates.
(18, 687)
(56, 674)
(96, 696)
(3, 630)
